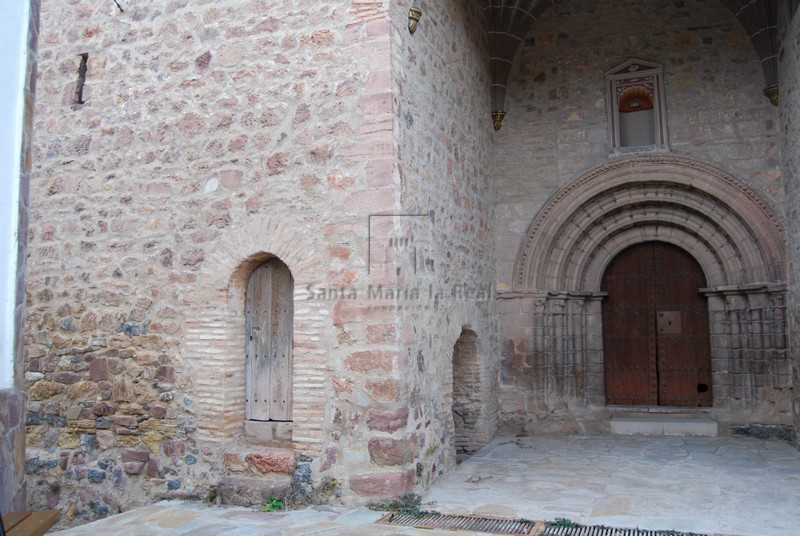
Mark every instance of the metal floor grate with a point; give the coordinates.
(497, 525)
(606, 531)
(492, 525)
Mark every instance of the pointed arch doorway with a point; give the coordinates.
(656, 328)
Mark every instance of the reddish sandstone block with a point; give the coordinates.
(133, 468)
(339, 181)
(383, 485)
(128, 421)
(320, 38)
(381, 333)
(106, 439)
(98, 369)
(371, 360)
(385, 451)
(152, 469)
(165, 374)
(272, 461)
(103, 409)
(277, 163)
(339, 252)
(376, 104)
(371, 200)
(342, 386)
(231, 178)
(385, 391)
(67, 378)
(387, 421)
(348, 311)
(330, 459)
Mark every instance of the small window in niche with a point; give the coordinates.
(636, 109)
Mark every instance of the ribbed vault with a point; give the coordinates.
(509, 21)
(734, 234)
(759, 18)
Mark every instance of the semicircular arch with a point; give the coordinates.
(736, 236)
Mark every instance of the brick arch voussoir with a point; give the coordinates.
(756, 229)
(215, 325)
(229, 265)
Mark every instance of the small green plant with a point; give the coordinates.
(563, 523)
(273, 505)
(213, 494)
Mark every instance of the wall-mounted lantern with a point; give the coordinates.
(414, 14)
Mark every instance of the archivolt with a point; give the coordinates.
(733, 233)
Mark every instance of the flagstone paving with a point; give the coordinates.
(737, 486)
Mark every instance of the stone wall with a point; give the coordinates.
(13, 486)
(790, 126)
(207, 138)
(556, 124)
(444, 169)
(555, 138)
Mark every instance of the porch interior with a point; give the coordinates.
(706, 485)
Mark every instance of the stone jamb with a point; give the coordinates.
(748, 330)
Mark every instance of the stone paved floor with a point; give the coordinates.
(744, 487)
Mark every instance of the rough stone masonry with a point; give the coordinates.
(200, 140)
(179, 146)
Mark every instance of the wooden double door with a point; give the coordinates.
(655, 328)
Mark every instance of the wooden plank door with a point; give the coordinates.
(629, 338)
(655, 329)
(684, 356)
(269, 313)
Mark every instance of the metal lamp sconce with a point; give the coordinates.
(772, 94)
(414, 14)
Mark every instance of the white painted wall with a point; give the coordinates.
(13, 62)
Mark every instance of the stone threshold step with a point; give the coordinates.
(670, 424)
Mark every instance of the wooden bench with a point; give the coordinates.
(30, 523)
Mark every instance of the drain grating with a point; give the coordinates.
(491, 525)
(497, 525)
(606, 531)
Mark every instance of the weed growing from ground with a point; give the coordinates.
(273, 505)
(563, 523)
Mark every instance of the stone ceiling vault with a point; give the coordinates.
(509, 21)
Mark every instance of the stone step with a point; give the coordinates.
(655, 424)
